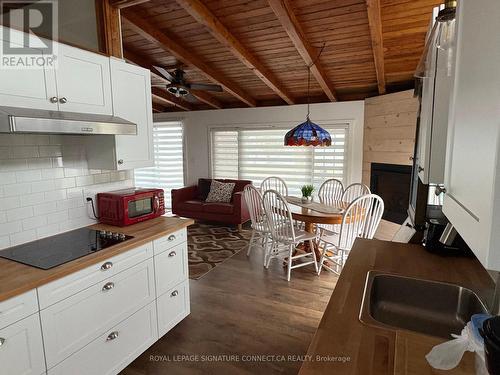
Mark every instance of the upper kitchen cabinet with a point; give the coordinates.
(33, 88)
(131, 86)
(436, 89)
(83, 81)
(79, 83)
(472, 179)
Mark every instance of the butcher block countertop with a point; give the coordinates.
(17, 278)
(344, 345)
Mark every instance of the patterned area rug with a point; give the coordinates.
(211, 244)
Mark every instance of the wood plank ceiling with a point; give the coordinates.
(259, 50)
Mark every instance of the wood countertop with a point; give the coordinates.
(344, 345)
(17, 278)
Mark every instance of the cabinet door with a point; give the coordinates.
(21, 348)
(83, 81)
(26, 88)
(173, 307)
(471, 202)
(132, 101)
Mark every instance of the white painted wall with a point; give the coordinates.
(197, 126)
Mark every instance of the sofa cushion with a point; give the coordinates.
(220, 192)
(219, 208)
(203, 188)
(192, 205)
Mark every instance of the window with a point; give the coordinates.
(168, 170)
(256, 153)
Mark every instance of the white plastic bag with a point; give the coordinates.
(448, 355)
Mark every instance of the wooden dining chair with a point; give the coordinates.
(354, 191)
(360, 220)
(331, 190)
(261, 235)
(274, 183)
(285, 236)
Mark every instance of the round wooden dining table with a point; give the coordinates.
(311, 218)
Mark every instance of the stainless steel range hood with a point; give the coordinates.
(26, 120)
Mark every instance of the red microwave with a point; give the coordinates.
(130, 206)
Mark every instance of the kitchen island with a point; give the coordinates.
(344, 345)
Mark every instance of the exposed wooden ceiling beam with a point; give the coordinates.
(153, 34)
(285, 14)
(121, 4)
(168, 99)
(204, 16)
(375, 24)
(158, 108)
(145, 63)
(110, 32)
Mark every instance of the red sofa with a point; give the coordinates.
(190, 202)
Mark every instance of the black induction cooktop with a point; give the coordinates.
(53, 251)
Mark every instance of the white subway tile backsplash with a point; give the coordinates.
(19, 213)
(29, 175)
(23, 152)
(17, 189)
(44, 180)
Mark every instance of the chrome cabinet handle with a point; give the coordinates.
(54, 99)
(171, 237)
(112, 336)
(106, 266)
(108, 286)
(172, 254)
(420, 169)
(2, 341)
(439, 190)
(175, 293)
(63, 100)
(120, 161)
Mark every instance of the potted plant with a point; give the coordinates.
(307, 191)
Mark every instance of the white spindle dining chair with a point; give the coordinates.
(260, 228)
(285, 236)
(331, 190)
(274, 183)
(360, 220)
(354, 191)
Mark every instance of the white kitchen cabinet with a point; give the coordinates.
(21, 348)
(31, 88)
(83, 81)
(115, 349)
(171, 267)
(131, 92)
(173, 306)
(472, 200)
(433, 127)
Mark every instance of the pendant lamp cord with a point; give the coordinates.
(309, 78)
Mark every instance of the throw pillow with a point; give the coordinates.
(203, 188)
(220, 192)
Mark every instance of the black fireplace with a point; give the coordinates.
(392, 182)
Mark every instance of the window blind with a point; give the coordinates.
(168, 170)
(254, 154)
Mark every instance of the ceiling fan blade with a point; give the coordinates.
(190, 98)
(164, 72)
(205, 87)
(162, 86)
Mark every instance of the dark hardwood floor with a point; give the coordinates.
(240, 309)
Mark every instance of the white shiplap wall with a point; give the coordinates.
(44, 180)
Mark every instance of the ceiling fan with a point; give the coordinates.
(178, 85)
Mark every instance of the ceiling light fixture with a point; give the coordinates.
(308, 133)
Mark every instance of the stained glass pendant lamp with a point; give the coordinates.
(308, 133)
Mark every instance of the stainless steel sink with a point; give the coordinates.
(429, 307)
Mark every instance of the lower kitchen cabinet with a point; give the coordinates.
(21, 349)
(114, 350)
(173, 306)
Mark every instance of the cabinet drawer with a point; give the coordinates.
(171, 268)
(74, 322)
(21, 349)
(17, 308)
(173, 306)
(167, 242)
(113, 351)
(67, 286)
